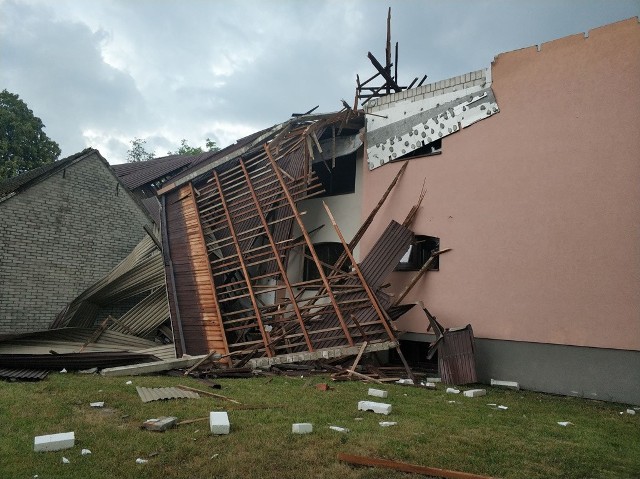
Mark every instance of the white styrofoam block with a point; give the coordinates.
(507, 384)
(453, 391)
(339, 429)
(377, 407)
(631, 411)
(97, 404)
(302, 428)
(474, 393)
(387, 423)
(379, 393)
(219, 422)
(434, 380)
(54, 442)
(404, 381)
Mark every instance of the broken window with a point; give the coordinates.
(328, 253)
(338, 177)
(419, 253)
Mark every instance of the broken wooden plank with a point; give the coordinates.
(405, 467)
(357, 360)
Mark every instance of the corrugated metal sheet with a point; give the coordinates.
(156, 394)
(23, 374)
(456, 357)
(71, 340)
(72, 361)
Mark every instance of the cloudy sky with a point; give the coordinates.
(102, 72)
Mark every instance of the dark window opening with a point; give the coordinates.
(419, 253)
(338, 179)
(327, 253)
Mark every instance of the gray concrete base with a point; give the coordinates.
(605, 374)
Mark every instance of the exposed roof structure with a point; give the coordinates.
(229, 227)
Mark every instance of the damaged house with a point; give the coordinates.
(62, 227)
(539, 203)
(316, 237)
(234, 238)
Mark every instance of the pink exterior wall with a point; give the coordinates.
(540, 203)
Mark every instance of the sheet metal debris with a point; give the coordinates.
(23, 374)
(156, 394)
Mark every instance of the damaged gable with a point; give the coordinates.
(402, 123)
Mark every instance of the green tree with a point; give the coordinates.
(137, 152)
(23, 144)
(187, 150)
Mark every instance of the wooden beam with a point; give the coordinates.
(312, 250)
(404, 467)
(245, 271)
(419, 275)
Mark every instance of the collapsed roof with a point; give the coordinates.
(229, 227)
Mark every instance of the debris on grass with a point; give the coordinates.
(506, 384)
(338, 429)
(62, 371)
(565, 423)
(378, 393)
(472, 393)
(160, 424)
(631, 411)
(387, 423)
(155, 394)
(97, 404)
(219, 422)
(323, 387)
(65, 460)
(302, 428)
(377, 407)
(54, 442)
(85, 452)
(453, 391)
(141, 461)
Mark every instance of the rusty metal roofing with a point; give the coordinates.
(23, 374)
(156, 394)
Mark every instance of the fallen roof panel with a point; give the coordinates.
(156, 394)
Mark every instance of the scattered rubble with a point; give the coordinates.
(219, 422)
(377, 407)
(302, 428)
(160, 424)
(472, 393)
(54, 442)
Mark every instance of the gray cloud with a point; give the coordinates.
(101, 73)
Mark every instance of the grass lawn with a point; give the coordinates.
(523, 441)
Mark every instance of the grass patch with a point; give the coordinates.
(524, 441)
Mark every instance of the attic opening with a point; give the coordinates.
(338, 176)
(419, 253)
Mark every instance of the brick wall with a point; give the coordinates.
(60, 236)
(476, 78)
